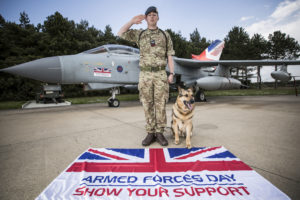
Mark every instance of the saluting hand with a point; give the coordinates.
(138, 19)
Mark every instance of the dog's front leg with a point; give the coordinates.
(175, 132)
(189, 130)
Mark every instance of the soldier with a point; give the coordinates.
(156, 48)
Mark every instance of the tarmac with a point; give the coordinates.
(36, 145)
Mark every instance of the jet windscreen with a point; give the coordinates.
(97, 50)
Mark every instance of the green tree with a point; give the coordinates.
(197, 43)
(180, 44)
(282, 46)
(17, 45)
(258, 47)
(24, 19)
(2, 21)
(237, 45)
(109, 37)
(258, 51)
(58, 37)
(86, 37)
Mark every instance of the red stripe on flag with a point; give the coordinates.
(158, 164)
(197, 153)
(106, 154)
(103, 72)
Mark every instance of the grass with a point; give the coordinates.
(135, 97)
(11, 104)
(252, 92)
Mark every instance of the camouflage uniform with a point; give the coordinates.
(153, 83)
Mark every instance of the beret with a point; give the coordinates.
(151, 9)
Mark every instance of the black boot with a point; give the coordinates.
(149, 139)
(161, 139)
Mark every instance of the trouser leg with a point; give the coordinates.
(146, 90)
(161, 95)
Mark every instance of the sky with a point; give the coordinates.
(213, 19)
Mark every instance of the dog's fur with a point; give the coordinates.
(182, 114)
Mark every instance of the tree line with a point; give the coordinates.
(23, 42)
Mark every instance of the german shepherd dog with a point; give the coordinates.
(182, 114)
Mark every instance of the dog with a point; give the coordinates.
(182, 114)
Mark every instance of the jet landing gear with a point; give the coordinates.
(200, 96)
(112, 101)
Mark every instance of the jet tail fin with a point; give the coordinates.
(212, 52)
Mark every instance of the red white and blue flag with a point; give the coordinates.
(101, 71)
(168, 173)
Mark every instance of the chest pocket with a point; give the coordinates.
(161, 42)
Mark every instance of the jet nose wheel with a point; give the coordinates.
(114, 103)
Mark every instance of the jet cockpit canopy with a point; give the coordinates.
(113, 48)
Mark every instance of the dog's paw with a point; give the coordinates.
(188, 146)
(176, 142)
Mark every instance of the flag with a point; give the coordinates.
(164, 173)
(101, 71)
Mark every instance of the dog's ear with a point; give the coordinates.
(193, 88)
(179, 89)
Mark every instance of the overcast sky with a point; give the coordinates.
(213, 19)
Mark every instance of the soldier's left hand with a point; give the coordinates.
(170, 78)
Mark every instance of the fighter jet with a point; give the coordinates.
(113, 66)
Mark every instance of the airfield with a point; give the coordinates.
(38, 144)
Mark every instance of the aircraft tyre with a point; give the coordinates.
(114, 103)
(200, 96)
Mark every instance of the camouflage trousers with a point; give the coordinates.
(154, 94)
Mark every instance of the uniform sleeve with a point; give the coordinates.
(131, 35)
(170, 51)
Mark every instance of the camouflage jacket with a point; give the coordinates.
(151, 55)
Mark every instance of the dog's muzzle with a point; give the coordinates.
(189, 104)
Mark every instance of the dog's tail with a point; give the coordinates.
(212, 52)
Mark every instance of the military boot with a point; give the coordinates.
(149, 139)
(160, 138)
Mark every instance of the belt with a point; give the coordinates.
(152, 69)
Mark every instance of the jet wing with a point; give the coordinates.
(232, 63)
(194, 63)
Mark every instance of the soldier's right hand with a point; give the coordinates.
(138, 19)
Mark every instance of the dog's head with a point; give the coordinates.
(185, 99)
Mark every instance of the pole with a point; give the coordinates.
(275, 79)
(296, 92)
(258, 77)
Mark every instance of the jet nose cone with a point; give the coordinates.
(45, 69)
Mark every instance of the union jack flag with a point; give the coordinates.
(168, 173)
(157, 160)
(101, 71)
